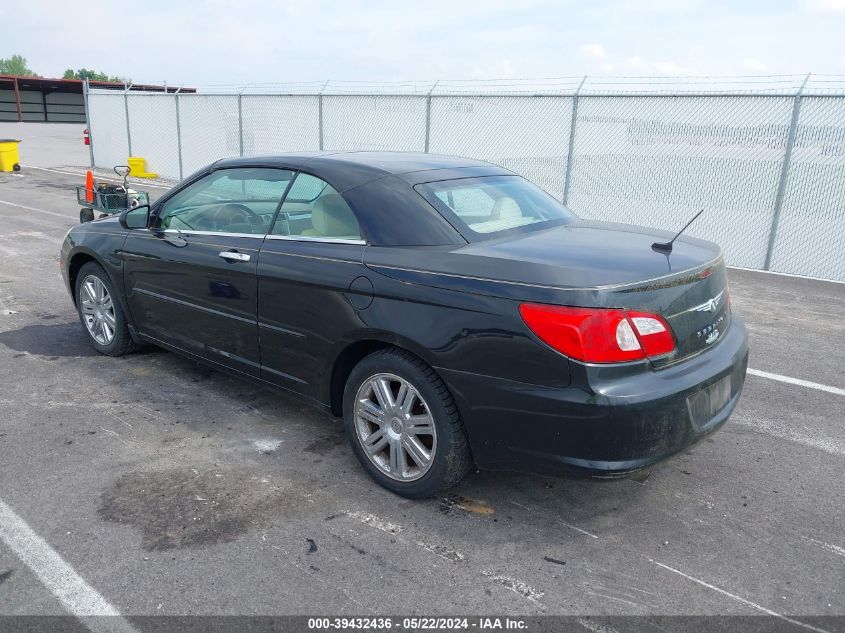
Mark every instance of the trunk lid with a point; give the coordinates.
(586, 255)
(688, 286)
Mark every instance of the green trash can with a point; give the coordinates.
(9, 159)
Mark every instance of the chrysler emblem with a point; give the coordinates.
(709, 306)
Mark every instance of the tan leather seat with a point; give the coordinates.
(332, 217)
(505, 208)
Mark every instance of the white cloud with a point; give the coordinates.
(502, 69)
(635, 63)
(753, 65)
(824, 6)
(670, 68)
(595, 51)
(663, 6)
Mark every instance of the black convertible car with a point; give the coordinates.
(450, 311)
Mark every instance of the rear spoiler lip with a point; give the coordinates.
(671, 280)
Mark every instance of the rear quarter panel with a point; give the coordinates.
(463, 331)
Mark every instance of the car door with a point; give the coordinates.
(190, 277)
(306, 269)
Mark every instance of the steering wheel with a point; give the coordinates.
(227, 214)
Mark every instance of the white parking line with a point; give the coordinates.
(839, 551)
(77, 596)
(554, 518)
(797, 381)
(516, 585)
(739, 599)
(787, 431)
(373, 521)
(64, 216)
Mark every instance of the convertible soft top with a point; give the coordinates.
(345, 170)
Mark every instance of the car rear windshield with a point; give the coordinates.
(492, 206)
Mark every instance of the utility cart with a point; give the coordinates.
(108, 199)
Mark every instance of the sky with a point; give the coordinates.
(205, 42)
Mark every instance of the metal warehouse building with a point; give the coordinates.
(54, 100)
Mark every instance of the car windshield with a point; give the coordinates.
(260, 189)
(484, 208)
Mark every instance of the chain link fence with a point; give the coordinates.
(661, 159)
(810, 235)
(765, 157)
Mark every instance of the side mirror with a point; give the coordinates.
(137, 218)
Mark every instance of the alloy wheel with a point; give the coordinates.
(97, 310)
(395, 427)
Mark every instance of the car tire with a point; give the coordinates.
(86, 215)
(97, 303)
(403, 428)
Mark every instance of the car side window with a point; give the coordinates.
(242, 200)
(313, 209)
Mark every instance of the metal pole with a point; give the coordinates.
(320, 123)
(18, 99)
(784, 171)
(85, 100)
(570, 154)
(427, 122)
(320, 113)
(178, 134)
(126, 106)
(428, 116)
(240, 124)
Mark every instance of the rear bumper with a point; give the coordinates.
(610, 421)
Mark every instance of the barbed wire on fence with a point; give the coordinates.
(566, 85)
(765, 155)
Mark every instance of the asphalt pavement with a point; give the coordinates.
(168, 488)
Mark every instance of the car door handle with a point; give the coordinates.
(234, 257)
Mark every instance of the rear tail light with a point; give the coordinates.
(599, 335)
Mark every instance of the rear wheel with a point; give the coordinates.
(101, 313)
(404, 426)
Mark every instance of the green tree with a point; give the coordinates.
(16, 65)
(92, 75)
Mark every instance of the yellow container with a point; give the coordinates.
(9, 159)
(138, 167)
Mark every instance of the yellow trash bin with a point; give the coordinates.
(9, 159)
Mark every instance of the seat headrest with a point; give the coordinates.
(332, 217)
(505, 208)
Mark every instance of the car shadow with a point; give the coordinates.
(53, 340)
(513, 491)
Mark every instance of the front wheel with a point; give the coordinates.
(101, 313)
(404, 426)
